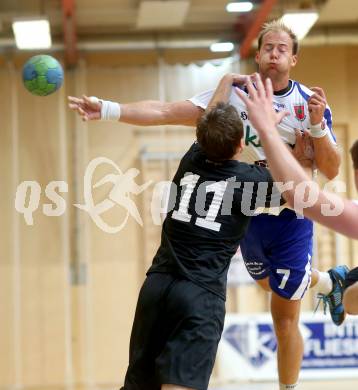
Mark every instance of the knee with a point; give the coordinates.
(285, 327)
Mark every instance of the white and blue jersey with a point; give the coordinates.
(294, 100)
(277, 247)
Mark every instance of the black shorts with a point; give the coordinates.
(351, 278)
(175, 334)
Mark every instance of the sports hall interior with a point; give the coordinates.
(68, 289)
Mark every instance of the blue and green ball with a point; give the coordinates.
(42, 75)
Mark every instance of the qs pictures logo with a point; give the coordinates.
(124, 186)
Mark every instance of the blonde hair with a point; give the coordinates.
(278, 26)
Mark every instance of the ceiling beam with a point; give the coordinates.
(69, 32)
(254, 29)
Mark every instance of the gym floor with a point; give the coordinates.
(331, 385)
(304, 385)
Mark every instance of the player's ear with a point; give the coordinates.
(294, 60)
(257, 57)
(242, 144)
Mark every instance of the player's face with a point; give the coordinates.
(275, 57)
(356, 178)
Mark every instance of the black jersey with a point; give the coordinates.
(213, 203)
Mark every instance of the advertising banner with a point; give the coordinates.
(247, 350)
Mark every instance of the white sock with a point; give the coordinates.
(288, 387)
(324, 284)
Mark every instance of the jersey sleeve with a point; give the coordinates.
(202, 99)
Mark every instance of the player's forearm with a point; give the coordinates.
(222, 92)
(152, 113)
(144, 113)
(343, 218)
(327, 157)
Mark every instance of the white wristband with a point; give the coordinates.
(316, 131)
(110, 111)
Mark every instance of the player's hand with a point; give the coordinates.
(88, 109)
(304, 149)
(259, 104)
(239, 80)
(316, 105)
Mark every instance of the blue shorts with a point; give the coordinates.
(280, 247)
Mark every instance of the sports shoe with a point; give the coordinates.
(334, 299)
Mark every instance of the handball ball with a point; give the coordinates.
(42, 75)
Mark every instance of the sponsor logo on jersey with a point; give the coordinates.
(252, 139)
(279, 106)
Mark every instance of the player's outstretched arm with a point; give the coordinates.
(286, 169)
(144, 113)
(151, 112)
